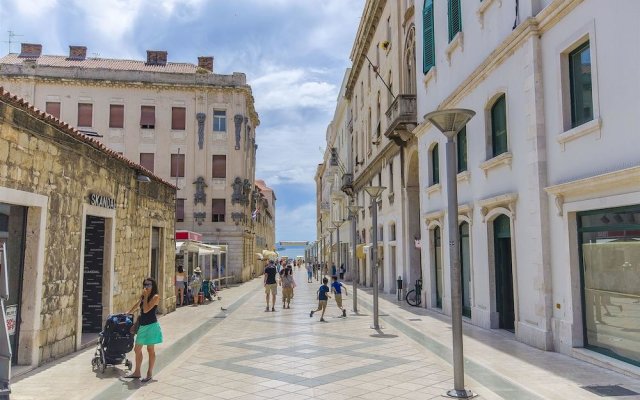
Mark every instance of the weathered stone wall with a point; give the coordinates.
(38, 157)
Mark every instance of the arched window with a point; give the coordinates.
(499, 143)
(410, 63)
(435, 165)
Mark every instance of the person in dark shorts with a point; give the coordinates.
(270, 284)
(336, 289)
(323, 296)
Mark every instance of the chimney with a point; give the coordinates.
(156, 57)
(206, 63)
(77, 53)
(30, 50)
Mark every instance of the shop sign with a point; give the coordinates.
(12, 313)
(102, 201)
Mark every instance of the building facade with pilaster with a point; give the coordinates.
(181, 121)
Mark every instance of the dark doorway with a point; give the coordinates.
(465, 265)
(92, 284)
(503, 273)
(437, 264)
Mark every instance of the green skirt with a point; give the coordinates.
(149, 334)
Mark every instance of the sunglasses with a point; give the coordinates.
(148, 285)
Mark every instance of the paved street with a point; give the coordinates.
(244, 352)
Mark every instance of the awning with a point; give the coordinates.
(360, 251)
(207, 249)
(196, 247)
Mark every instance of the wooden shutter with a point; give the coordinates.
(429, 52)
(53, 108)
(179, 210)
(219, 166)
(178, 118)
(116, 116)
(177, 165)
(499, 126)
(455, 18)
(148, 117)
(85, 114)
(146, 160)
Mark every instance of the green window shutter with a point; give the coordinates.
(461, 144)
(455, 18)
(499, 126)
(435, 166)
(429, 49)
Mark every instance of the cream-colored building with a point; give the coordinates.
(264, 218)
(181, 121)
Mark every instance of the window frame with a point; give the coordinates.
(174, 126)
(572, 82)
(91, 114)
(216, 120)
(180, 209)
(217, 217)
(462, 151)
(59, 105)
(120, 106)
(493, 135)
(153, 161)
(178, 157)
(147, 126)
(213, 164)
(434, 157)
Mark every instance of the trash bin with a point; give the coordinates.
(399, 287)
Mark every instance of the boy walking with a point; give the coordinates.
(336, 288)
(322, 299)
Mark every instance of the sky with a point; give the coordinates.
(294, 53)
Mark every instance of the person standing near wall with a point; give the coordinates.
(270, 284)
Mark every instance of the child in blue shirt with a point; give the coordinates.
(336, 288)
(323, 296)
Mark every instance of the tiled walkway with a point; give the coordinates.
(243, 352)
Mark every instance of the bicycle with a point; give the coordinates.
(414, 296)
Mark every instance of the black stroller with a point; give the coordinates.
(116, 340)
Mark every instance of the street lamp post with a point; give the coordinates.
(374, 193)
(330, 229)
(450, 122)
(353, 215)
(338, 224)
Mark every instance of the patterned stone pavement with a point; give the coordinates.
(233, 349)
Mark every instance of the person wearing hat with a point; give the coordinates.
(195, 283)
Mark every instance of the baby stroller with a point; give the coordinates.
(116, 340)
(209, 290)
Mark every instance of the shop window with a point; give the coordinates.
(116, 116)
(178, 118)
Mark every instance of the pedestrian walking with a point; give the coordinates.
(270, 284)
(195, 284)
(342, 271)
(181, 283)
(334, 271)
(149, 333)
(336, 289)
(309, 268)
(288, 284)
(323, 296)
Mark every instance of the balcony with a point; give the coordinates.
(402, 118)
(347, 184)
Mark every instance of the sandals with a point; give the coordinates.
(147, 379)
(131, 376)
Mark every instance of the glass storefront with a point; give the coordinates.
(610, 273)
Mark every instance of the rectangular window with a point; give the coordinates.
(217, 210)
(580, 81)
(179, 210)
(391, 177)
(146, 160)
(219, 166)
(116, 116)
(455, 18)
(429, 44)
(85, 114)
(147, 117)
(461, 145)
(499, 126)
(177, 165)
(53, 108)
(219, 121)
(435, 166)
(178, 118)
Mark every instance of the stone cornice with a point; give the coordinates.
(372, 168)
(366, 30)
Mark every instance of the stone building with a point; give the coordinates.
(82, 227)
(181, 121)
(264, 222)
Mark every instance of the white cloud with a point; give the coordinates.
(295, 223)
(34, 8)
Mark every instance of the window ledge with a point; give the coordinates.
(504, 158)
(463, 176)
(179, 135)
(457, 41)
(429, 76)
(484, 5)
(433, 189)
(116, 132)
(579, 131)
(147, 133)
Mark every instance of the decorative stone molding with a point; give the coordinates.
(466, 210)
(238, 217)
(580, 131)
(199, 217)
(200, 196)
(502, 159)
(429, 76)
(463, 176)
(457, 41)
(200, 117)
(237, 185)
(507, 201)
(238, 119)
(433, 189)
(433, 216)
(484, 5)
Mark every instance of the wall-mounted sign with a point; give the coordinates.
(12, 313)
(102, 201)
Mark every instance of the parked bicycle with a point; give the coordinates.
(414, 296)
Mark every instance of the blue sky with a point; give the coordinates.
(294, 53)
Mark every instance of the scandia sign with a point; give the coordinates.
(102, 201)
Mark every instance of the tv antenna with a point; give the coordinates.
(11, 35)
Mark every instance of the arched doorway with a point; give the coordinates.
(413, 222)
(503, 272)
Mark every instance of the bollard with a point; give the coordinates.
(399, 288)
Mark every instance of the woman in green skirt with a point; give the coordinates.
(149, 333)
